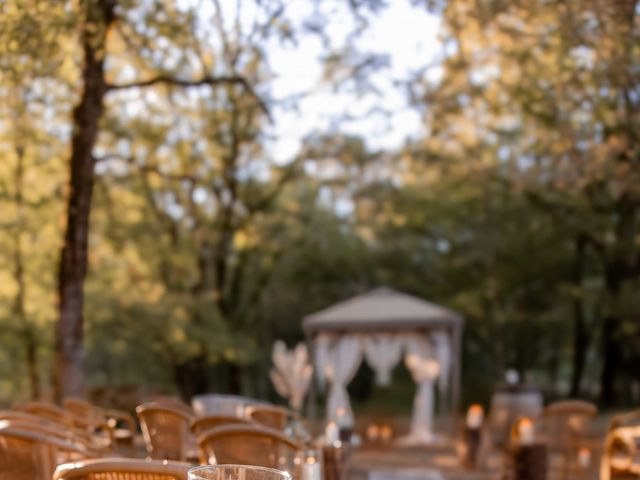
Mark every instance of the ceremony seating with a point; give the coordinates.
(247, 445)
(165, 430)
(31, 455)
(122, 469)
(199, 425)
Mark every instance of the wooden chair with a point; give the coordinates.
(248, 445)
(565, 426)
(173, 402)
(21, 416)
(271, 416)
(53, 412)
(55, 417)
(165, 431)
(122, 469)
(626, 419)
(47, 429)
(199, 425)
(119, 425)
(620, 455)
(29, 455)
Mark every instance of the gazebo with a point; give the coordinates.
(382, 327)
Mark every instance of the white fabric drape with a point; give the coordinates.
(321, 358)
(442, 344)
(343, 360)
(424, 370)
(383, 353)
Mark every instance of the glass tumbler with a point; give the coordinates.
(237, 472)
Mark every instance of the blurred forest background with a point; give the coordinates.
(518, 204)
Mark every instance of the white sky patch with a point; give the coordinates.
(404, 34)
(407, 35)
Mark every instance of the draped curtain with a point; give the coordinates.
(383, 352)
(424, 370)
(428, 358)
(342, 362)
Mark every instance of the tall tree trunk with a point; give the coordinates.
(580, 333)
(69, 352)
(611, 361)
(611, 354)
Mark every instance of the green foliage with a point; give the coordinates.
(520, 206)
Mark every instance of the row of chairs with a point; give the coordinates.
(39, 436)
(260, 436)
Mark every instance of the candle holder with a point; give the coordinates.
(310, 465)
(529, 461)
(336, 461)
(472, 435)
(471, 439)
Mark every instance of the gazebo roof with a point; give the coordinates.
(381, 309)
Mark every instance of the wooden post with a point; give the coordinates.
(336, 461)
(472, 437)
(311, 398)
(529, 462)
(456, 341)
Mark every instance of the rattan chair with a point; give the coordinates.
(247, 445)
(625, 419)
(52, 417)
(165, 431)
(119, 425)
(173, 402)
(122, 469)
(21, 416)
(565, 426)
(201, 424)
(28, 455)
(53, 412)
(620, 455)
(48, 429)
(271, 416)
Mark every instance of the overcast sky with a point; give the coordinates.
(406, 35)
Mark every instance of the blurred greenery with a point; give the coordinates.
(518, 207)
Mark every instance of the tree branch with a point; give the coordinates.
(206, 80)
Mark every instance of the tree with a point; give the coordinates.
(539, 88)
(97, 20)
(33, 80)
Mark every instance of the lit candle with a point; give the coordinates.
(373, 432)
(475, 416)
(311, 469)
(526, 434)
(584, 458)
(331, 433)
(386, 433)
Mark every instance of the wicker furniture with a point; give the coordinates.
(55, 413)
(270, 416)
(173, 402)
(626, 419)
(119, 425)
(248, 445)
(165, 431)
(52, 416)
(620, 456)
(29, 455)
(122, 469)
(48, 429)
(565, 426)
(199, 425)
